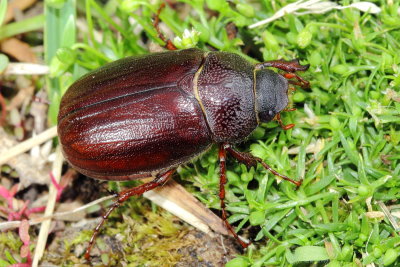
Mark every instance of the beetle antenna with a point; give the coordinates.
(168, 44)
(124, 196)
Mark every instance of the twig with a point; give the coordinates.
(28, 144)
(44, 229)
(174, 198)
(15, 224)
(170, 197)
(389, 216)
(26, 69)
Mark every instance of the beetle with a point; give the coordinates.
(145, 115)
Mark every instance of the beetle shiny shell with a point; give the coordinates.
(143, 115)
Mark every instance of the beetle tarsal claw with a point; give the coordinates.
(297, 66)
(298, 183)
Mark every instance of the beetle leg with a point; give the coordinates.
(222, 182)
(300, 81)
(289, 109)
(249, 160)
(283, 126)
(290, 67)
(291, 89)
(168, 44)
(160, 180)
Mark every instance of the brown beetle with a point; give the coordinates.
(143, 116)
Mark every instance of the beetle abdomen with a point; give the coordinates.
(129, 75)
(134, 117)
(138, 134)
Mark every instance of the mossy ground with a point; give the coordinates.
(345, 144)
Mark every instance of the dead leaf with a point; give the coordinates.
(39, 112)
(19, 50)
(23, 94)
(177, 196)
(19, 5)
(74, 217)
(375, 215)
(24, 164)
(396, 214)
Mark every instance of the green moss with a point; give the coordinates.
(10, 245)
(152, 237)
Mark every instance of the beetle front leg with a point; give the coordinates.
(251, 161)
(290, 67)
(300, 80)
(222, 182)
(283, 126)
(160, 180)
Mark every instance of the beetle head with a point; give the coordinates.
(271, 91)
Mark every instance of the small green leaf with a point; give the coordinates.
(217, 5)
(3, 62)
(55, 3)
(245, 9)
(340, 69)
(390, 256)
(257, 217)
(304, 38)
(68, 36)
(3, 10)
(270, 40)
(237, 262)
(310, 253)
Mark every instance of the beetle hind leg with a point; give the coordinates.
(249, 160)
(222, 173)
(160, 180)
